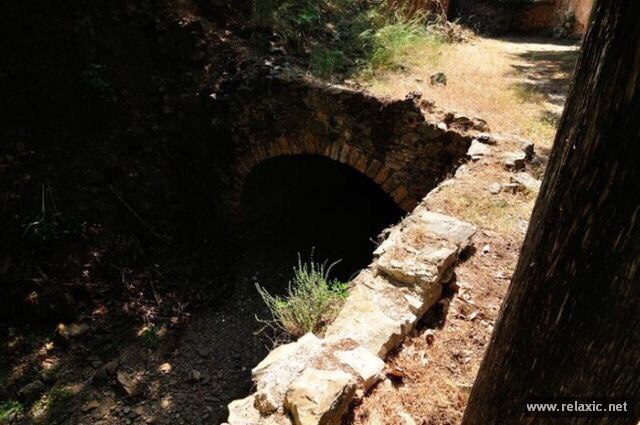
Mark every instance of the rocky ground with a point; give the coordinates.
(184, 372)
(431, 374)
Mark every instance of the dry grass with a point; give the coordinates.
(518, 87)
(439, 373)
(491, 79)
(503, 212)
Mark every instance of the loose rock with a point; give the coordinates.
(439, 78)
(514, 160)
(320, 397)
(194, 376)
(73, 330)
(127, 384)
(494, 188)
(526, 181)
(31, 391)
(365, 364)
(477, 150)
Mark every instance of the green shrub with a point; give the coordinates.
(299, 22)
(9, 409)
(151, 337)
(54, 399)
(325, 62)
(344, 36)
(262, 12)
(312, 300)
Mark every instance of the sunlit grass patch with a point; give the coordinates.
(527, 93)
(399, 44)
(540, 129)
(503, 212)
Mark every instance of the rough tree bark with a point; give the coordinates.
(570, 323)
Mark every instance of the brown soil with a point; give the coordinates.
(439, 361)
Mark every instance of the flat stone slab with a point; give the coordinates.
(376, 315)
(527, 181)
(366, 366)
(514, 160)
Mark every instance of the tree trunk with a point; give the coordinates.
(570, 323)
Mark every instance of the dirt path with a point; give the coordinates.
(517, 84)
(512, 84)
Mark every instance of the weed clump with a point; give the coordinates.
(345, 37)
(312, 300)
(9, 410)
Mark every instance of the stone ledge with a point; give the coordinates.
(312, 380)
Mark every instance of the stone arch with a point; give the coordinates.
(345, 153)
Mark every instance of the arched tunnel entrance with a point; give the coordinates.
(309, 203)
(291, 204)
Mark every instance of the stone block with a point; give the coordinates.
(320, 397)
(367, 366)
(408, 204)
(446, 227)
(477, 149)
(361, 164)
(526, 181)
(344, 153)
(382, 175)
(399, 194)
(335, 151)
(273, 375)
(373, 168)
(284, 146)
(243, 412)
(376, 315)
(514, 160)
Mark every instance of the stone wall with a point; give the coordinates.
(396, 143)
(312, 381)
(579, 9)
(562, 18)
(407, 147)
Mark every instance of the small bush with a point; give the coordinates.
(298, 22)
(262, 12)
(151, 337)
(392, 42)
(325, 62)
(9, 410)
(312, 300)
(398, 43)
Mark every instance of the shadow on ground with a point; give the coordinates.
(546, 73)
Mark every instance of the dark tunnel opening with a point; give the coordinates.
(308, 203)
